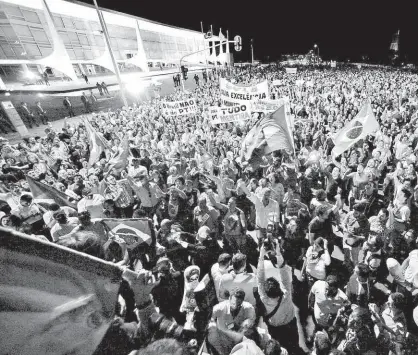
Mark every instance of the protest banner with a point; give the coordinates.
(277, 82)
(268, 105)
(243, 94)
(230, 114)
(178, 108)
(291, 70)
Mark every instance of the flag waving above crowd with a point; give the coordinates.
(363, 124)
(269, 134)
(43, 193)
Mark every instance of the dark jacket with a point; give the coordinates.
(168, 294)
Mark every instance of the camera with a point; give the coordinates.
(162, 327)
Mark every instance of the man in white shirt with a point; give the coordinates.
(238, 277)
(327, 299)
(219, 269)
(267, 210)
(54, 207)
(230, 319)
(136, 170)
(92, 203)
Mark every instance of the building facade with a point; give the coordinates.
(37, 36)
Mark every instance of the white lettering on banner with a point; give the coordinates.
(178, 108)
(291, 70)
(268, 105)
(243, 94)
(229, 114)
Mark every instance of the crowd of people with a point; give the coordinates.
(306, 253)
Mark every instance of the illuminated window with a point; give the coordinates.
(32, 50)
(79, 25)
(58, 21)
(40, 35)
(83, 39)
(31, 16)
(9, 32)
(8, 51)
(68, 23)
(13, 12)
(45, 50)
(21, 30)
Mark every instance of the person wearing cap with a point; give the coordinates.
(234, 315)
(325, 298)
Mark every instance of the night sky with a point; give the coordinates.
(342, 29)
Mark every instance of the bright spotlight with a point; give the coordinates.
(30, 75)
(7, 94)
(134, 88)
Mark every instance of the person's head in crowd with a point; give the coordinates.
(266, 194)
(358, 210)
(273, 347)
(396, 301)
(26, 200)
(202, 203)
(236, 298)
(179, 182)
(322, 343)
(203, 234)
(110, 179)
(224, 261)
(93, 179)
(335, 173)
(12, 221)
(164, 347)
(383, 215)
(109, 205)
(331, 286)
(321, 195)
(84, 218)
(292, 225)
(362, 272)
(239, 263)
(322, 212)
(403, 196)
(60, 217)
(360, 168)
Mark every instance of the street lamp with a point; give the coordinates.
(316, 47)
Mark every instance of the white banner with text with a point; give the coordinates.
(243, 94)
(178, 108)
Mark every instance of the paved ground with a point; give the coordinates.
(52, 103)
(80, 84)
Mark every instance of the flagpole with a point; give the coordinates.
(214, 49)
(115, 64)
(204, 45)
